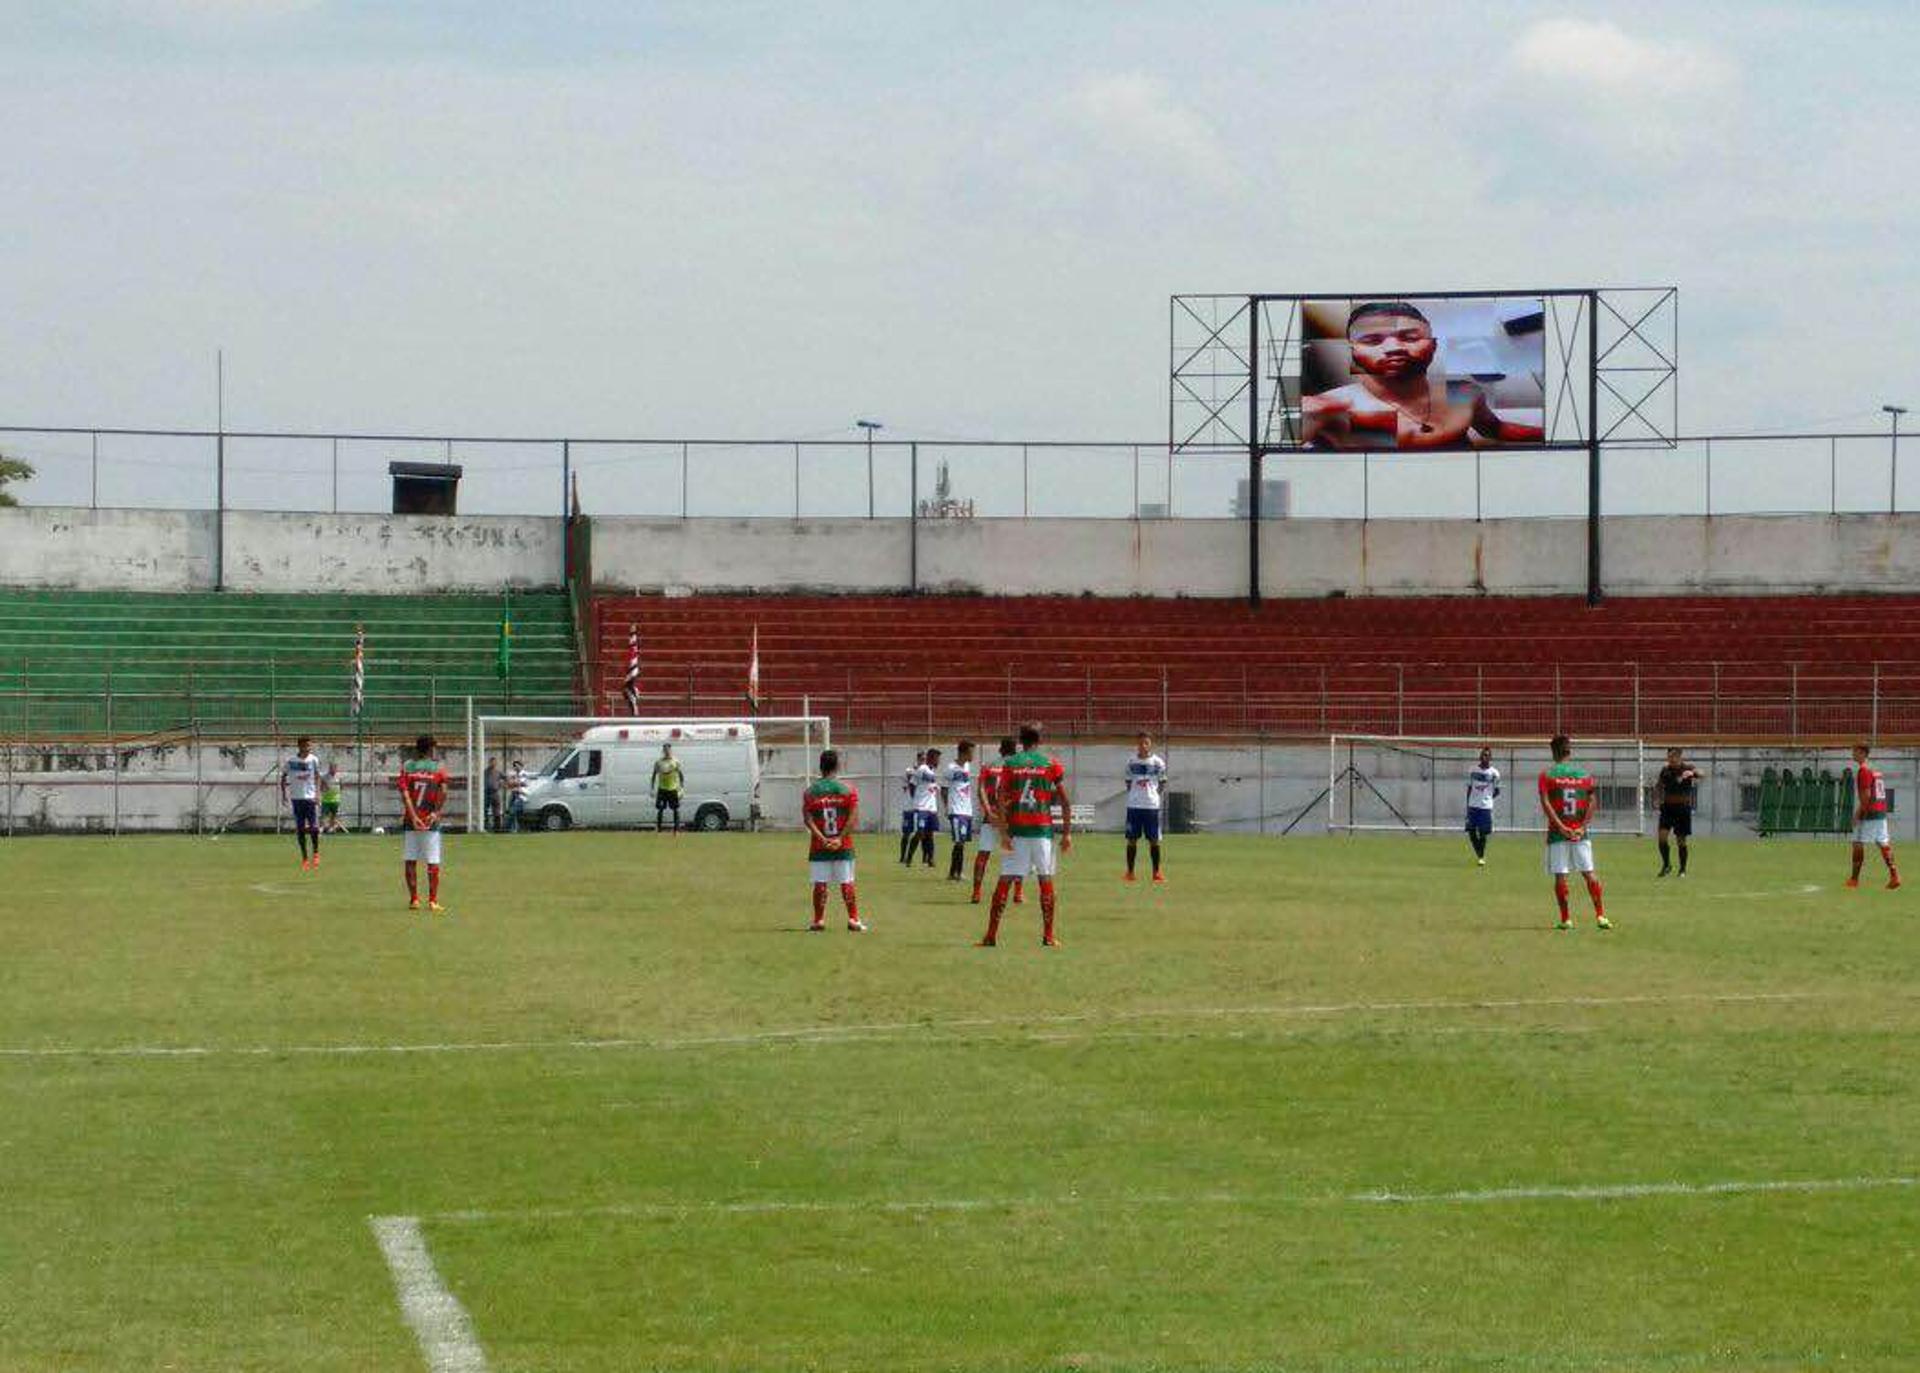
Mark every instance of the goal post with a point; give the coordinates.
(1417, 784)
(786, 744)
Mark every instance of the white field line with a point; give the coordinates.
(1628, 1191)
(900, 1029)
(1807, 890)
(433, 1313)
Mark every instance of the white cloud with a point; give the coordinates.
(1601, 56)
(1137, 118)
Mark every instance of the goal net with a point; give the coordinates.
(597, 771)
(1418, 785)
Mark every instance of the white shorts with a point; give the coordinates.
(1032, 856)
(831, 871)
(1872, 831)
(986, 837)
(423, 846)
(1565, 856)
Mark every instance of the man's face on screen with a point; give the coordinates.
(1391, 346)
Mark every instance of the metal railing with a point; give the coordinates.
(102, 468)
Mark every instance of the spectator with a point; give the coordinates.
(516, 796)
(491, 782)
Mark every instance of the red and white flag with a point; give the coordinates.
(357, 700)
(632, 687)
(753, 674)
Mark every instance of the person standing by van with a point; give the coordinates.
(832, 809)
(668, 782)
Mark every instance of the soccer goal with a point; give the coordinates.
(597, 771)
(1408, 784)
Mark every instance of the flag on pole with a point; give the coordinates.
(503, 661)
(632, 686)
(358, 700)
(753, 674)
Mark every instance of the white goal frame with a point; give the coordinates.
(1339, 765)
(477, 726)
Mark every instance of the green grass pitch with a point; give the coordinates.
(647, 1123)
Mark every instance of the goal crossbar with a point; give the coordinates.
(1623, 781)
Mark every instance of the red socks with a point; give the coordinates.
(819, 903)
(413, 882)
(1593, 890)
(1859, 857)
(847, 896)
(979, 872)
(998, 909)
(1560, 895)
(1046, 909)
(433, 881)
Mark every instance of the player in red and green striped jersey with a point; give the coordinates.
(987, 791)
(422, 784)
(1568, 793)
(831, 809)
(1031, 784)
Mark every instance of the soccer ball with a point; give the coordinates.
(378, 829)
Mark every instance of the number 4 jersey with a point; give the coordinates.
(829, 807)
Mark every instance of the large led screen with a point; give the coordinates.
(1423, 372)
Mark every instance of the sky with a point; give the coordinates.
(762, 220)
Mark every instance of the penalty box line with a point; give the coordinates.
(438, 1321)
(900, 1029)
(1574, 1192)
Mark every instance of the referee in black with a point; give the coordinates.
(1678, 784)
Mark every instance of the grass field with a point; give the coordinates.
(1317, 1105)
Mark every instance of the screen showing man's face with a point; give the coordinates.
(1391, 345)
(1422, 372)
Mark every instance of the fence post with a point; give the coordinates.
(199, 777)
(1366, 473)
(1089, 696)
(336, 476)
(1793, 700)
(1709, 478)
(683, 479)
(1166, 715)
(114, 750)
(1136, 481)
(1324, 710)
(8, 753)
(96, 470)
(1636, 700)
(1833, 474)
(1400, 698)
(796, 481)
(1244, 716)
(1025, 497)
(1479, 695)
(1716, 700)
(1476, 486)
(1556, 698)
(1873, 725)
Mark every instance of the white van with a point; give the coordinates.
(605, 779)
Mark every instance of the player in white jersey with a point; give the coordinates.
(958, 785)
(926, 807)
(909, 818)
(1483, 785)
(300, 783)
(1146, 775)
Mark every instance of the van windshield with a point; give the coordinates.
(552, 765)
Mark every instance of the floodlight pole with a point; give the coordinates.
(1894, 412)
(870, 426)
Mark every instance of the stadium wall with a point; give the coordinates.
(139, 550)
(1243, 787)
(74, 548)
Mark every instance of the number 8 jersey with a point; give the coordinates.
(829, 806)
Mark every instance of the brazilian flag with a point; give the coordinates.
(503, 660)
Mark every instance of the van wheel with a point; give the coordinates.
(710, 819)
(554, 820)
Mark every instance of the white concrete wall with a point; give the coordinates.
(106, 550)
(173, 550)
(391, 554)
(1642, 554)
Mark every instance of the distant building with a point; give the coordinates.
(1276, 499)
